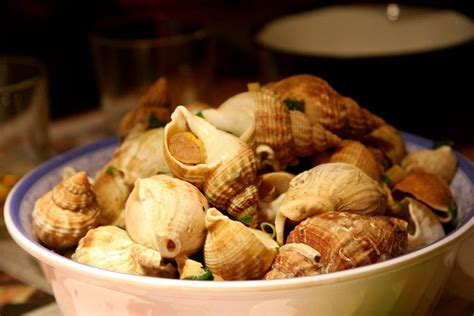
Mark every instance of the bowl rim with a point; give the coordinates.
(46, 256)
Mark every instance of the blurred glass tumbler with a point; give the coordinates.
(23, 115)
(131, 54)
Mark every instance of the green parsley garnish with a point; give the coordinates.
(200, 114)
(207, 275)
(160, 173)
(246, 219)
(453, 212)
(399, 205)
(294, 105)
(211, 197)
(387, 180)
(154, 122)
(111, 170)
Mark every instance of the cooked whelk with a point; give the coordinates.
(228, 173)
(431, 190)
(64, 215)
(139, 156)
(423, 225)
(388, 139)
(110, 248)
(441, 162)
(166, 214)
(330, 187)
(271, 189)
(355, 153)
(234, 251)
(345, 241)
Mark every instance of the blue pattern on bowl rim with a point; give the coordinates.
(91, 157)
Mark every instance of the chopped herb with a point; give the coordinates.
(160, 173)
(246, 219)
(399, 205)
(453, 212)
(207, 275)
(211, 197)
(111, 170)
(387, 180)
(253, 86)
(154, 122)
(443, 142)
(200, 114)
(294, 105)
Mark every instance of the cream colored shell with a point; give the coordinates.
(423, 225)
(110, 248)
(166, 214)
(271, 190)
(63, 215)
(234, 251)
(441, 162)
(229, 173)
(388, 139)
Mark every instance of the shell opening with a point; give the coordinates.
(213, 216)
(169, 248)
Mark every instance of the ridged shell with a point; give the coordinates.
(359, 120)
(347, 240)
(389, 141)
(323, 105)
(63, 215)
(229, 173)
(234, 251)
(271, 189)
(423, 225)
(354, 153)
(166, 214)
(110, 248)
(156, 102)
(431, 190)
(295, 260)
(273, 126)
(441, 162)
(322, 138)
(112, 193)
(321, 101)
(330, 187)
(302, 131)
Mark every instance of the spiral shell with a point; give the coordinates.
(234, 251)
(153, 106)
(355, 153)
(139, 156)
(63, 215)
(166, 214)
(431, 190)
(110, 248)
(271, 190)
(346, 240)
(423, 225)
(330, 187)
(323, 105)
(389, 141)
(228, 173)
(441, 162)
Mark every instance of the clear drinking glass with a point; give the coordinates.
(23, 119)
(130, 54)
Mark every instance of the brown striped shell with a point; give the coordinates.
(153, 106)
(63, 215)
(227, 176)
(355, 153)
(388, 139)
(110, 248)
(325, 106)
(234, 251)
(330, 187)
(440, 161)
(347, 240)
(431, 190)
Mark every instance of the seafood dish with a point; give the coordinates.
(288, 179)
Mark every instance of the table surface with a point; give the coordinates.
(23, 288)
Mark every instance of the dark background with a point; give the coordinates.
(57, 33)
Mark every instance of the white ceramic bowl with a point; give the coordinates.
(409, 284)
